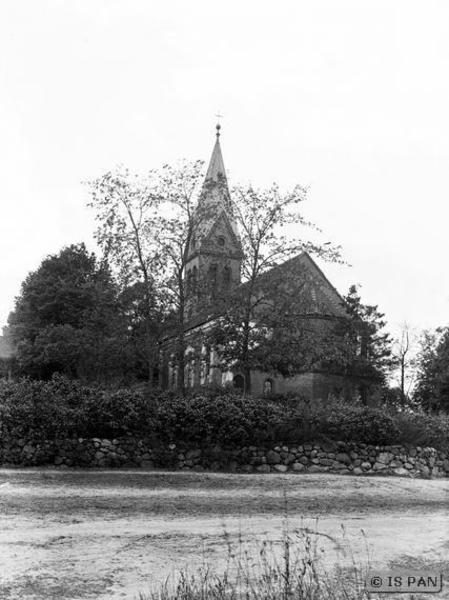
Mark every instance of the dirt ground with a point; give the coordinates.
(80, 534)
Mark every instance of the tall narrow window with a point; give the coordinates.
(227, 277)
(194, 278)
(173, 373)
(213, 269)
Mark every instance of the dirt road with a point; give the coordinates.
(110, 534)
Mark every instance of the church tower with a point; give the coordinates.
(214, 253)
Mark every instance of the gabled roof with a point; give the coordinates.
(319, 296)
(223, 226)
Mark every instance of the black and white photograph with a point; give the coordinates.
(224, 300)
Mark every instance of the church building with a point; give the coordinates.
(213, 261)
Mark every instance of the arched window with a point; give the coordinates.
(227, 277)
(213, 269)
(173, 372)
(239, 382)
(190, 372)
(268, 386)
(165, 373)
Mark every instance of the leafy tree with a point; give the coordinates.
(179, 219)
(68, 319)
(432, 389)
(142, 329)
(288, 332)
(367, 356)
(125, 207)
(145, 229)
(260, 328)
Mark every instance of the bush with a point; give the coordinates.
(50, 409)
(63, 408)
(351, 422)
(119, 413)
(226, 419)
(422, 429)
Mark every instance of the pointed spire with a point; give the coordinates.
(216, 169)
(215, 198)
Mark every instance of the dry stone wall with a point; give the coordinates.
(129, 452)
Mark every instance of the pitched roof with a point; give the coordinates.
(318, 295)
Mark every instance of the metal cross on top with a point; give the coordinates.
(218, 126)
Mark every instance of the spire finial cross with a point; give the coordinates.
(218, 126)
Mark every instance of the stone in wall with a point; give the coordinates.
(336, 457)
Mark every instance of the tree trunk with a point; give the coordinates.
(181, 384)
(245, 356)
(403, 377)
(148, 339)
(247, 375)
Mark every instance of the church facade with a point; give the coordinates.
(213, 261)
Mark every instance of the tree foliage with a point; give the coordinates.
(367, 356)
(68, 319)
(180, 216)
(432, 388)
(271, 321)
(263, 325)
(145, 225)
(63, 408)
(285, 334)
(125, 206)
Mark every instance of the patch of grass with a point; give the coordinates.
(286, 569)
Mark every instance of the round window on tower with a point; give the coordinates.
(221, 241)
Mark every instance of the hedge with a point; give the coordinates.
(60, 407)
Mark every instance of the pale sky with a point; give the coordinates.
(350, 98)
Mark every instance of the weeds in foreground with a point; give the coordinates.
(289, 568)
